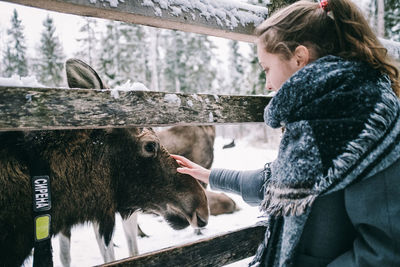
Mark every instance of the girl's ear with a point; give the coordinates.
(302, 56)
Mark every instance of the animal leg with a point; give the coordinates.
(65, 247)
(130, 227)
(197, 231)
(107, 252)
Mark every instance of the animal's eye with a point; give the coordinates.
(150, 147)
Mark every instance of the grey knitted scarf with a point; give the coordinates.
(342, 125)
(335, 112)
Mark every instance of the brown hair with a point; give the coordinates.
(342, 32)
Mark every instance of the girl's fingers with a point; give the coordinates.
(197, 174)
(192, 169)
(176, 156)
(184, 160)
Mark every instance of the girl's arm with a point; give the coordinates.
(248, 184)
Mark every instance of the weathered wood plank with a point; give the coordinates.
(234, 21)
(221, 18)
(214, 251)
(24, 108)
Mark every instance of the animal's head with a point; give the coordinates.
(143, 173)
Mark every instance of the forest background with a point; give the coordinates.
(163, 60)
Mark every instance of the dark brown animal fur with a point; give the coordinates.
(94, 174)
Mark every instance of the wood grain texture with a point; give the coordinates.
(138, 13)
(215, 251)
(24, 108)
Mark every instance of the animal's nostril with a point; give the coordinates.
(200, 221)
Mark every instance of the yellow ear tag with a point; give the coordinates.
(42, 227)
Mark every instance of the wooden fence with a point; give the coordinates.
(56, 108)
(61, 108)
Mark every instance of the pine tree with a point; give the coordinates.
(51, 56)
(124, 54)
(199, 73)
(14, 59)
(8, 63)
(236, 68)
(135, 46)
(380, 18)
(109, 56)
(255, 75)
(392, 19)
(2, 48)
(175, 60)
(88, 41)
(154, 59)
(188, 62)
(368, 8)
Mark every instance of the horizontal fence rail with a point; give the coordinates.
(214, 251)
(24, 108)
(220, 18)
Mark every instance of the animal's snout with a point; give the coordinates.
(199, 219)
(201, 222)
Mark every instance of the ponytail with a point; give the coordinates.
(339, 29)
(358, 41)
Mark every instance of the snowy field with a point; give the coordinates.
(244, 156)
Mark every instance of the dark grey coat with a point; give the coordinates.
(357, 226)
(342, 130)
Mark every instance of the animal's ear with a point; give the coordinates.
(81, 75)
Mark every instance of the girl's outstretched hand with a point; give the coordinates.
(193, 169)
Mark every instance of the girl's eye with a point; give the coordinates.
(266, 70)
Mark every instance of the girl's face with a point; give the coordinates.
(277, 69)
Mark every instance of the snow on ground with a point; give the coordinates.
(244, 156)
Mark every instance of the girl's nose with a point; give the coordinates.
(268, 85)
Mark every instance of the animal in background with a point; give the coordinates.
(193, 142)
(230, 145)
(197, 144)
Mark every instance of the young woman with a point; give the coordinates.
(332, 196)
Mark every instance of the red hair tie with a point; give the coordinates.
(324, 5)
